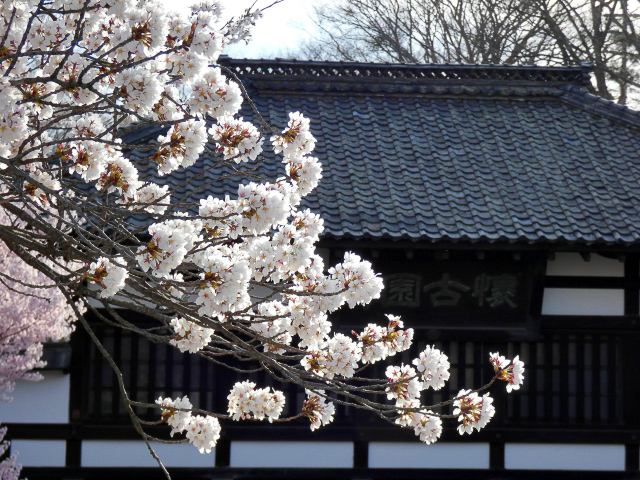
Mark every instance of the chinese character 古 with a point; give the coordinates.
(444, 294)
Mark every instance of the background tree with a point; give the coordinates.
(545, 32)
(222, 278)
(32, 311)
(9, 467)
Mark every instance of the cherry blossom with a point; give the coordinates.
(433, 367)
(155, 196)
(190, 337)
(305, 171)
(32, 311)
(108, 275)
(296, 140)
(317, 410)
(176, 414)
(512, 374)
(181, 147)
(245, 401)
(214, 95)
(9, 467)
(427, 426)
(119, 176)
(201, 431)
(340, 356)
(473, 411)
(404, 387)
(358, 278)
(377, 342)
(236, 139)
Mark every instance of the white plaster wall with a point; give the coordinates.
(134, 453)
(40, 453)
(583, 301)
(46, 401)
(530, 456)
(419, 455)
(307, 454)
(572, 264)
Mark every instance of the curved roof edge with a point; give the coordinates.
(595, 105)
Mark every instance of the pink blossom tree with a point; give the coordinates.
(9, 467)
(32, 311)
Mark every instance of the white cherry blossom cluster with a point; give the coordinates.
(291, 253)
(38, 186)
(108, 275)
(317, 410)
(90, 158)
(308, 322)
(146, 27)
(245, 401)
(309, 225)
(213, 7)
(473, 411)
(339, 356)
(202, 431)
(119, 176)
(305, 171)
(225, 280)
(433, 368)
(181, 146)
(512, 374)
(260, 208)
(377, 342)
(164, 110)
(296, 140)
(170, 243)
(214, 95)
(207, 40)
(403, 385)
(155, 197)
(190, 337)
(13, 121)
(236, 139)
(187, 65)
(219, 217)
(427, 426)
(358, 278)
(179, 415)
(138, 90)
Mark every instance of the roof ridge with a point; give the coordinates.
(432, 73)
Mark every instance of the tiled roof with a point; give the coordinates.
(452, 153)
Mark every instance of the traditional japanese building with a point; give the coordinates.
(502, 207)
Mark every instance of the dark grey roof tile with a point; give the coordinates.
(509, 162)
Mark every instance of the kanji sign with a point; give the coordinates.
(492, 293)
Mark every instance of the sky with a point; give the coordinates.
(283, 27)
